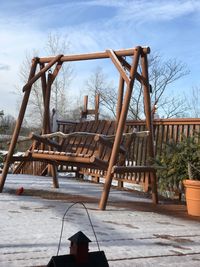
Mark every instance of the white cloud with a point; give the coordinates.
(4, 67)
(143, 10)
(24, 26)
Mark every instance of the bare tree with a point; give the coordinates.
(99, 84)
(55, 45)
(162, 74)
(173, 107)
(59, 45)
(7, 124)
(193, 102)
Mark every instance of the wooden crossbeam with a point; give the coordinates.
(41, 72)
(118, 65)
(139, 77)
(97, 55)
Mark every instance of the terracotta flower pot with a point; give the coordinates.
(192, 194)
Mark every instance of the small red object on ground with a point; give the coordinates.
(19, 191)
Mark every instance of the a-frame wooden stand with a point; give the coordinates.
(128, 73)
(95, 112)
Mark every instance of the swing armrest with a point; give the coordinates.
(43, 140)
(108, 142)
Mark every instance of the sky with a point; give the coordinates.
(169, 27)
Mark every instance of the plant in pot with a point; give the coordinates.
(180, 165)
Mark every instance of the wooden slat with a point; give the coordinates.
(123, 169)
(89, 145)
(108, 130)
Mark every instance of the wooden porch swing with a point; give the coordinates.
(101, 145)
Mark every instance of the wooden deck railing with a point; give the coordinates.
(164, 131)
(168, 129)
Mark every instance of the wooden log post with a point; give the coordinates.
(120, 128)
(18, 125)
(52, 170)
(120, 99)
(85, 108)
(97, 97)
(46, 116)
(46, 121)
(43, 81)
(26, 89)
(85, 104)
(149, 124)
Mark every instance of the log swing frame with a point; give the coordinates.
(128, 72)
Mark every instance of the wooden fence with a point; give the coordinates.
(164, 131)
(168, 129)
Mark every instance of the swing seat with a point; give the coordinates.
(94, 154)
(88, 145)
(83, 150)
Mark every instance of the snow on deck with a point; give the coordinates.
(131, 231)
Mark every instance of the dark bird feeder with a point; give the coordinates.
(79, 254)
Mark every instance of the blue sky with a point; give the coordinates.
(169, 27)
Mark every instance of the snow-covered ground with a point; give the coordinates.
(130, 231)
